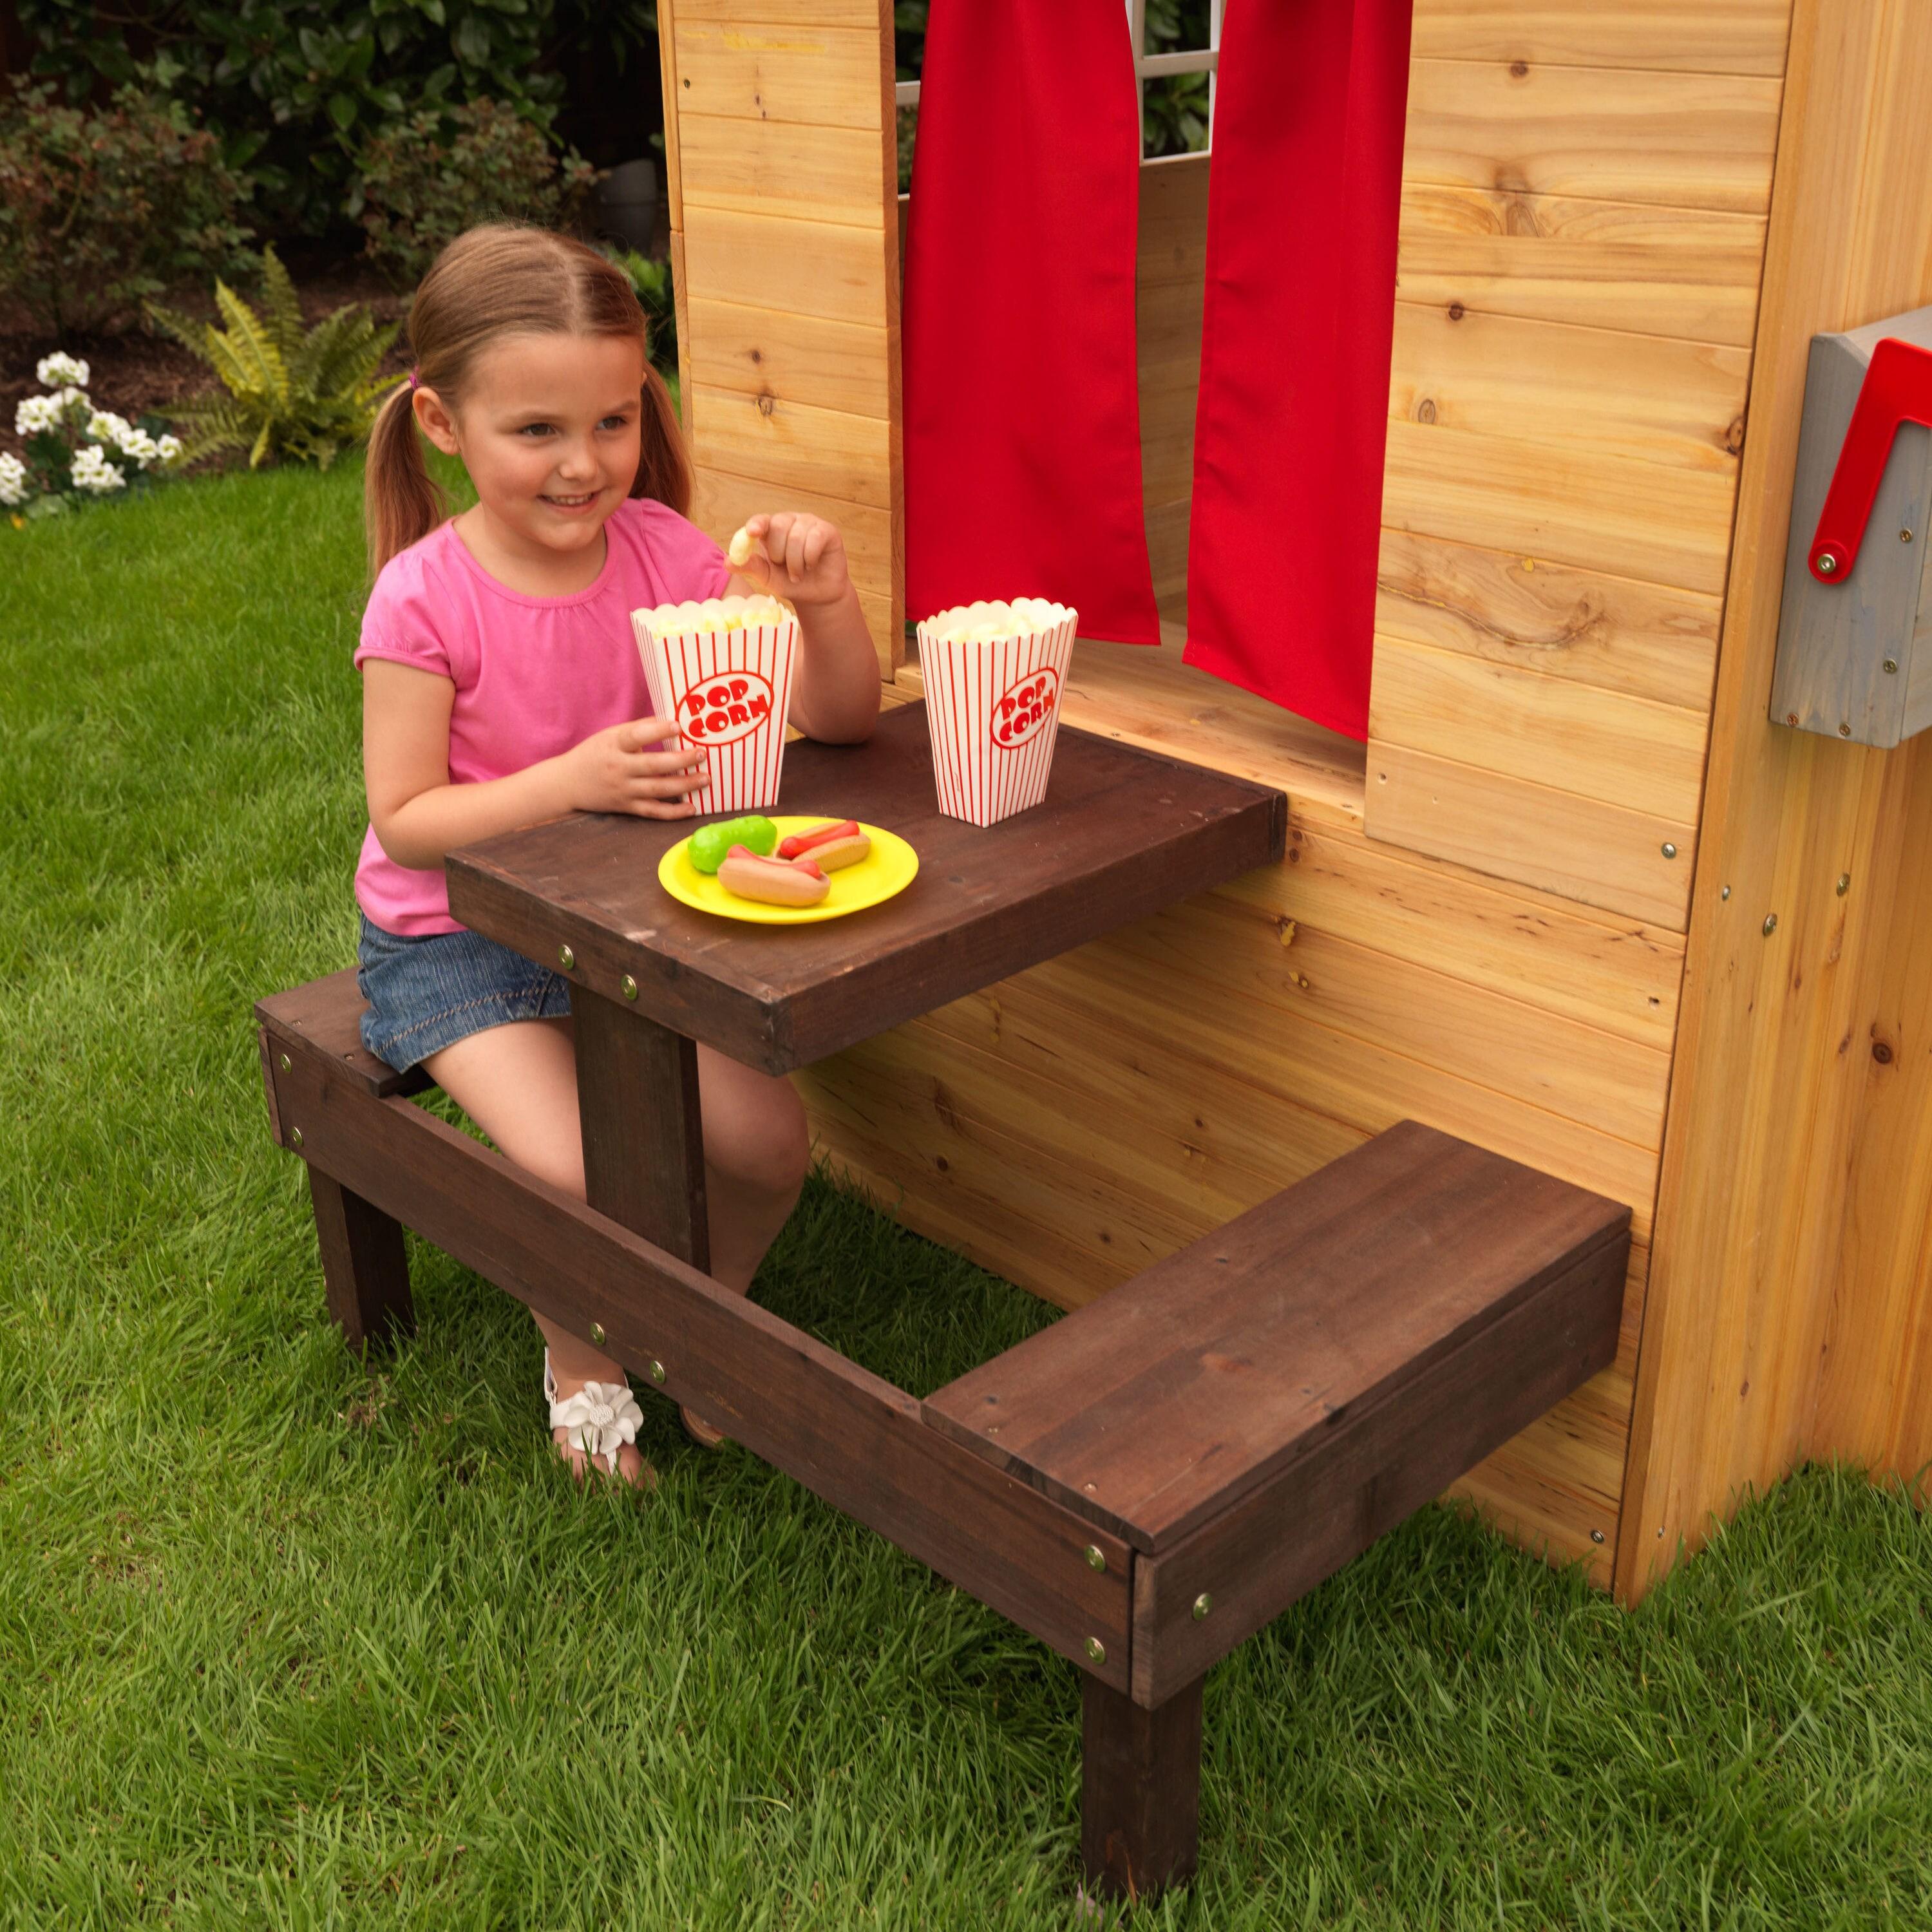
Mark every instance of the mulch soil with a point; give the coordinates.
(133, 371)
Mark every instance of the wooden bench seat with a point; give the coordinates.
(1252, 1411)
(326, 1016)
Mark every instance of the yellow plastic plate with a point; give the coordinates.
(887, 869)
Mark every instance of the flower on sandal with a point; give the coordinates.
(600, 1417)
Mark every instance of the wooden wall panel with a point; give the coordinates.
(1711, 36)
(786, 248)
(1764, 1280)
(1169, 285)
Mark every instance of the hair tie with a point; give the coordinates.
(415, 381)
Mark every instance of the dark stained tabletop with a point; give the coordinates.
(1122, 832)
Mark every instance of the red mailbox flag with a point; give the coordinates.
(1304, 198)
(1022, 414)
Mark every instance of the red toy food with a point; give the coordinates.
(773, 881)
(831, 846)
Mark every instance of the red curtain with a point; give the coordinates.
(1021, 412)
(1304, 196)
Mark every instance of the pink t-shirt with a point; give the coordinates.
(534, 676)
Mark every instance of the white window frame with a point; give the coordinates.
(1147, 67)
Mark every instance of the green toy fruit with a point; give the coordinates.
(711, 844)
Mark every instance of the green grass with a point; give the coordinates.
(284, 1641)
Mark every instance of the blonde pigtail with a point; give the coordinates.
(402, 502)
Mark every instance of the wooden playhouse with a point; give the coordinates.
(1579, 899)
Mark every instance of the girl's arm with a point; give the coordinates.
(835, 684)
(420, 817)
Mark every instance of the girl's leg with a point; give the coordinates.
(519, 1083)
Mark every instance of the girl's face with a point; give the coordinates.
(549, 429)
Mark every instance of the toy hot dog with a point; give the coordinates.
(830, 846)
(775, 881)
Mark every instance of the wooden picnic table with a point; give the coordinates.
(1307, 1374)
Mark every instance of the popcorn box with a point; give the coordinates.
(993, 676)
(723, 670)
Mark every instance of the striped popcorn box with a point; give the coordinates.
(723, 670)
(993, 674)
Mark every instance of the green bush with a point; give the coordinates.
(292, 390)
(427, 179)
(294, 88)
(657, 295)
(100, 207)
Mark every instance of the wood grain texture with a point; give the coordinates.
(1688, 273)
(1650, 397)
(821, 269)
(1738, 37)
(1614, 633)
(1689, 140)
(795, 69)
(324, 1016)
(847, 1434)
(1774, 1057)
(1140, 1791)
(793, 446)
(782, 168)
(1558, 732)
(1605, 855)
(365, 1271)
(757, 352)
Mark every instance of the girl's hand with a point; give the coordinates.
(616, 770)
(796, 555)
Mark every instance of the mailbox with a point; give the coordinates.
(1855, 635)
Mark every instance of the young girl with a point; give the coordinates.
(501, 686)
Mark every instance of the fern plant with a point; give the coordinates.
(293, 391)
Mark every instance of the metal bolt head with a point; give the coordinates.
(565, 958)
(1096, 1650)
(1892, 665)
(295, 1137)
(1844, 730)
(1844, 884)
(1827, 563)
(1669, 850)
(282, 1061)
(1203, 1604)
(627, 987)
(1770, 924)
(1725, 893)
(1596, 1536)
(597, 1334)
(657, 1372)
(1905, 536)
(1097, 1558)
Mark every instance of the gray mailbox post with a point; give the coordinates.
(1854, 637)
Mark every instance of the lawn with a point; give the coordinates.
(287, 1641)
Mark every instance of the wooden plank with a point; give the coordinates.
(1671, 271)
(1585, 506)
(821, 268)
(1712, 37)
(1376, 1466)
(1621, 976)
(792, 444)
(1167, 527)
(1581, 848)
(1121, 832)
(1573, 736)
(642, 1127)
(365, 1271)
(1645, 396)
(782, 12)
(1775, 1053)
(1691, 140)
(722, 500)
(1140, 1791)
(846, 1434)
(782, 168)
(673, 100)
(681, 304)
(1616, 633)
(796, 70)
(325, 1015)
(1155, 1410)
(832, 365)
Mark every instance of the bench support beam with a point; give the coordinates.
(1140, 1790)
(364, 1270)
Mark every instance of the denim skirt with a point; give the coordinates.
(428, 991)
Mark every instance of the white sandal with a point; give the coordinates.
(601, 1417)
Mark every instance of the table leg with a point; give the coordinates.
(365, 1272)
(1140, 1790)
(644, 1132)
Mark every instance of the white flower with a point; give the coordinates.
(36, 413)
(168, 448)
(601, 1417)
(92, 471)
(12, 481)
(56, 369)
(104, 426)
